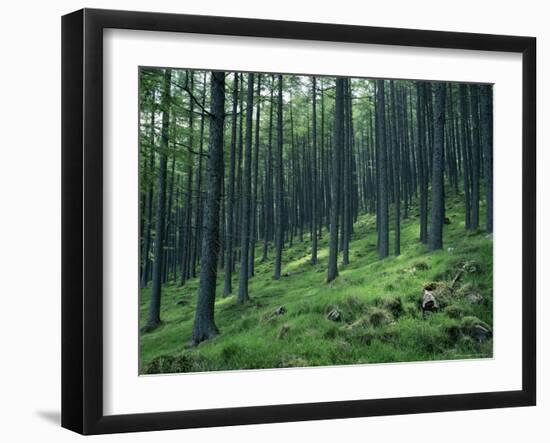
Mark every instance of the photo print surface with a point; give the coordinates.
(300, 221)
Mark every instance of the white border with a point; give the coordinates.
(125, 392)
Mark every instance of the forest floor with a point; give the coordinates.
(374, 306)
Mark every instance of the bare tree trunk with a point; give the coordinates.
(204, 327)
(436, 230)
(154, 308)
(336, 182)
(279, 184)
(228, 287)
(383, 222)
(245, 197)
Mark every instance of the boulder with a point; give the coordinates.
(271, 315)
(474, 298)
(280, 310)
(429, 302)
(334, 315)
(480, 333)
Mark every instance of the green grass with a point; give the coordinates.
(378, 302)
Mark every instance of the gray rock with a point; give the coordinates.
(474, 298)
(280, 310)
(480, 333)
(429, 302)
(334, 315)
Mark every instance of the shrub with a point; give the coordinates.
(453, 311)
(378, 316)
(169, 364)
(391, 304)
(421, 266)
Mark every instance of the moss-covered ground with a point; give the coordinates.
(376, 305)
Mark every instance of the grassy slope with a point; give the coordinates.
(378, 300)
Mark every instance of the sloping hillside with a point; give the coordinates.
(370, 314)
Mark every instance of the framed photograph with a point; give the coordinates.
(270, 221)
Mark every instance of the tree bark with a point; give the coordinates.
(314, 221)
(204, 327)
(228, 287)
(154, 308)
(383, 222)
(279, 184)
(255, 194)
(486, 100)
(268, 187)
(436, 229)
(149, 203)
(474, 104)
(336, 181)
(396, 168)
(245, 196)
(465, 153)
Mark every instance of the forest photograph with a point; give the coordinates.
(304, 221)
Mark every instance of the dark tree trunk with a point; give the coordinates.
(474, 104)
(436, 229)
(149, 205)
(198, 196)
(486, 100)
(255, 194)
(168, 222)
(268, 187)
(245, 196)
(336, 182)
(422, 170)
(396, 165)
(314, 210)
(279, 184)
(346, 190)
(228, 288)
(465, 153)
(238, 209)
(154, 308)
(383, 222)
(204, 327)
(187, 230)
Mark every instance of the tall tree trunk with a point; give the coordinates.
(238, 209)
(245, 196)
(149, 204)
(188, 242)
(268, 187)
(383, 222)
(198, 194)
(168, 221)
(346, 190)
(486, 99)
(465, 153)
(154, 308)
(436, 229)
(228, 288)
(336, 182)
(396, 165)
(474, 102)
(314, 186)
(204, 327)
(422, 170)
(279, 239)
(255, 194)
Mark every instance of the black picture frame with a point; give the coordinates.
(82, 218)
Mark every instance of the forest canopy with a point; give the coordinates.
(292, 220)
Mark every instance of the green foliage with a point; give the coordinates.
(379, 302)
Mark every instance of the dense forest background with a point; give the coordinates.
(298, 220)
